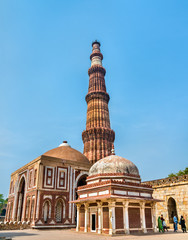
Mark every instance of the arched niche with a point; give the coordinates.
(46, 210)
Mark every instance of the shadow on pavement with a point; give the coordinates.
(157, 233)
(16, 234)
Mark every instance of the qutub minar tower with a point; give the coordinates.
(98, 138)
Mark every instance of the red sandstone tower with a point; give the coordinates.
(98, 138)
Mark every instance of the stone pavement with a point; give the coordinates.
(29, 234)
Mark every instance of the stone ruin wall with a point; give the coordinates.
(172, 187)
(14, 225)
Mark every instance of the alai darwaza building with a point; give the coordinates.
(96, 191)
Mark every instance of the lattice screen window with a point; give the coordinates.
(58, 212)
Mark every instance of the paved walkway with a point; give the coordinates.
(30, 234)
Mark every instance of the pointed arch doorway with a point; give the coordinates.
(172, 209)
(21, 195)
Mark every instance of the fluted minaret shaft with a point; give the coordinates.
(98, 138)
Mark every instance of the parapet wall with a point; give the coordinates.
(169, 181)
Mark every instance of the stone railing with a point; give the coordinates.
(14, 225)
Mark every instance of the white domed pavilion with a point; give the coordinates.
(114, 200)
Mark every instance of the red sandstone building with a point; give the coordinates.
(43, 193)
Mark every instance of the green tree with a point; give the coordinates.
(171, 175)
(186, 170)
(180, 173)
(2, 202)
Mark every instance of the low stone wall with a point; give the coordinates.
(14, 225)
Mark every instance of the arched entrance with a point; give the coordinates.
(81, 182)
(3, 213)
(21, 194)
(172, 209)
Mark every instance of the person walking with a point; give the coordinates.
(182, 223)
(164, 225)
(175, 220)
(160, 225)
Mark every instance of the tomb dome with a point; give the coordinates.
(114, 164)
(65, 152)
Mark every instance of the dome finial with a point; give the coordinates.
(64, 144)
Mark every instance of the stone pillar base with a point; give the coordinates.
(155, 229)
(144, 230)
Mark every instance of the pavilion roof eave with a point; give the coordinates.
(109, 196)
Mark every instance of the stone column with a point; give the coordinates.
(86, 217)
(126, 217)
(153, 213)
(112, 219)
(99, 217)
(78, 220)
(143, 220)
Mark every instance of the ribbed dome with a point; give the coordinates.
(65, 152)
(113, 164)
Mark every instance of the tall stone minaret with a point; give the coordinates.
(98, 138)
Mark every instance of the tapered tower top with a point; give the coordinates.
(96, 42)
(96, 56)
(98, 138)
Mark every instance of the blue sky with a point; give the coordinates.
(45, 47)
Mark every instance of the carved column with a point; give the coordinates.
(126, 217)
(99, 217)
(78, 218)
(112, 219)
(86, 217)
(153, 213)
(143, 220)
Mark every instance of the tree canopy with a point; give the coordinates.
(2, 202)
(180, 173)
